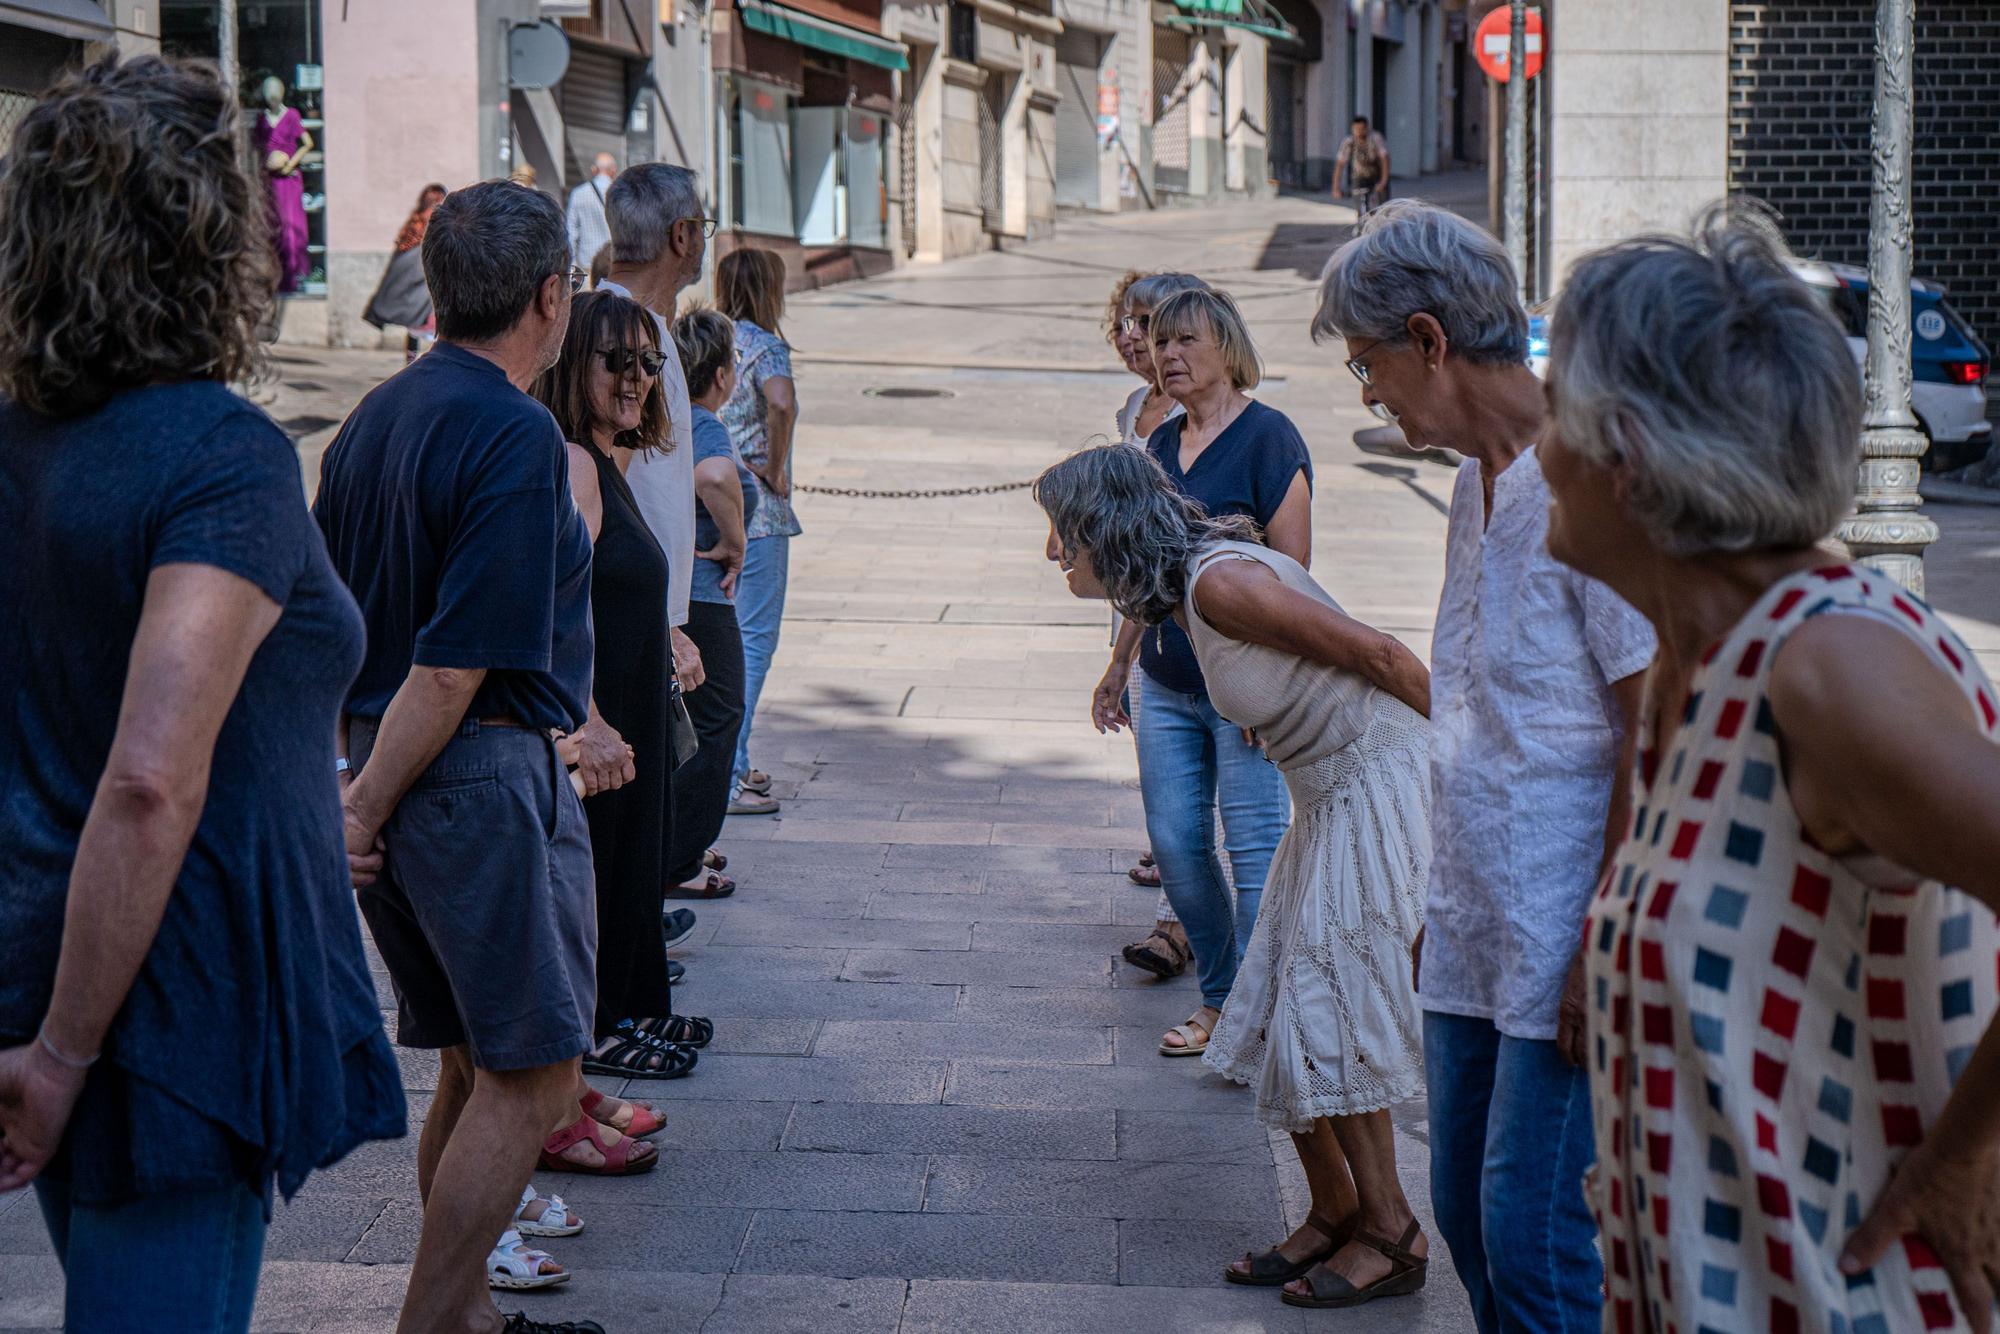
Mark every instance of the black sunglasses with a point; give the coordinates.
(618, 360)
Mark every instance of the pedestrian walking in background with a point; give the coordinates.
(445, 503)
(725, 493)
(1234, 456)
(401, 298)
(1361, 168)
(605, 396)
(1790, 1015)
(659, 236)
(586, 218)
(187, 1022)
(1537, 680)
(1164, 953)
(762, 416)
(1321, 1021)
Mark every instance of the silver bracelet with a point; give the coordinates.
(42, 1036)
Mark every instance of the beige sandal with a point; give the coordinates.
(1187, 1031)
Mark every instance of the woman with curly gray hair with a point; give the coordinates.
(1321, 1019)
(186, 1017)
(1792, 1051)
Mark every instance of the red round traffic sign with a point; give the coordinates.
(1490, 42)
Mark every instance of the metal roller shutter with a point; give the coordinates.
(594, 104)
(1077, 56)
(1171, 87)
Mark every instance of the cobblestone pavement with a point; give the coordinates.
(934, 1102)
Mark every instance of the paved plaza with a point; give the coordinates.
(934, 1102)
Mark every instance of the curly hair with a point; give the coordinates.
(1115, 309)
(600, 322)
(1116, 505)
(134, 246)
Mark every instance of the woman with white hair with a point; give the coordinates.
(1794, 1079)
(1538, 669)
(1322, 1020)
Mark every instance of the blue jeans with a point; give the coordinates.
(1510, 1143)
(1191, 759)
(760, 609)
(184, 1262)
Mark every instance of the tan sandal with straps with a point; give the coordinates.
(1188, 1032)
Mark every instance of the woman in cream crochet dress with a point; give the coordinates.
(1322, 1021)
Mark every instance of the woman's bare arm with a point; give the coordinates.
(1291, 528)
(781, 418)
(1245, 600)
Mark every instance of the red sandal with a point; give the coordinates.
(645, 1120)
(622, 1159)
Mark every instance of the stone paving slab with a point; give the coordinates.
(994, 1132)
(855, 1245)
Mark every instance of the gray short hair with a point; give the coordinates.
(1155, 288)
(1718, 377)
(1411, 256)
(1204, 308)
(487, 250)
(642, 206)
(1140, 530)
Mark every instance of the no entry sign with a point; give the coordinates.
(1491, 40)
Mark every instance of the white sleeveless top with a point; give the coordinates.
(1128, 417)
(1302, 711)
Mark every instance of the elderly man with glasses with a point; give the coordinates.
(1536, 680)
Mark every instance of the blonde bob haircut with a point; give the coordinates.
(1207, 311)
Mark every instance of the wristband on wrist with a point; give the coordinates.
(341, 766)
(42, 1036)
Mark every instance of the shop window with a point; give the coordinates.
(867, 203)
(760, 158)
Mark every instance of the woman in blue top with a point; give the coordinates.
(1235, 456)
(186, 1016)
(725, 498)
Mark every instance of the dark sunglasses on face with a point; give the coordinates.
(618, 360)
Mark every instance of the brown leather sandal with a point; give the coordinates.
(1405, 1276)
(1271, 1269)
(1168, 959)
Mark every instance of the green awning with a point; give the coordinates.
(1249, 15)
(835, 39)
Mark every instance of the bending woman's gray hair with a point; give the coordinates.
(1411, 256)
(1154, 288)
(1745, 434)
(1117, 504)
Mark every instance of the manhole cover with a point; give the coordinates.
(307, 425)
(906, 391)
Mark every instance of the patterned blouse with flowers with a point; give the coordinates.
(760, 356)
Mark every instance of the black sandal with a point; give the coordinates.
(1272, 1270)
(683, 1030)
(517, 1322)
(1405, 1276)
(1170, 962)
(637, 1055)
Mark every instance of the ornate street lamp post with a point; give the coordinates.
(1886, 531)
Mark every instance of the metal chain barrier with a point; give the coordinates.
(937, 493)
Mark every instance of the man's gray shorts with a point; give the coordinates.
(486, 912)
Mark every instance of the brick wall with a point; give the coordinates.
(1801, 84)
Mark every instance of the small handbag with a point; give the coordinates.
(682, 739)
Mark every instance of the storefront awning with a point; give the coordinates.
(83, 20)
(835, 39)
(1250, 15)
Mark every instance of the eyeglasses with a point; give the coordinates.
(1358, 366)
(707, 225)
(1135, 324)
(618, 360)
(578, 278)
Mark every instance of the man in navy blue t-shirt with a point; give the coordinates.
(446, 509)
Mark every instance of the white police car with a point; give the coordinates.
(1948, 363)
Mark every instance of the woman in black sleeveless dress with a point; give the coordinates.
(605, 395)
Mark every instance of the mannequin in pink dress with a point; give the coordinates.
(280, 138)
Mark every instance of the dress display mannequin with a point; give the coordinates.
(279, 135)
